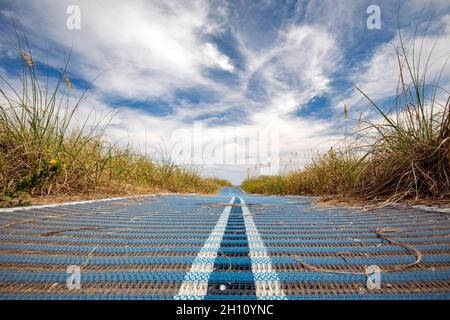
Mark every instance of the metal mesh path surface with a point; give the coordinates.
(228, 246)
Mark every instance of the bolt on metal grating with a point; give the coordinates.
(188, 247)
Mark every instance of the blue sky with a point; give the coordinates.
(239, 66)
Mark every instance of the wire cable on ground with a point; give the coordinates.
(380, 233)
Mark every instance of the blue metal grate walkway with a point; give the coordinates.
(229, 246)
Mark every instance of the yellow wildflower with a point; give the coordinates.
(53, 162)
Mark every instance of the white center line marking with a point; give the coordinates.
(195, 283)
(267, 282)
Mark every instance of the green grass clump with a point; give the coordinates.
(44, 151)
(264, 185)
(221, 182)
(333, 172)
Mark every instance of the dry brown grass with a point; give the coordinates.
(405, 157)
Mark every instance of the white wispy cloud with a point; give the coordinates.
(379, 75)
(147, 50)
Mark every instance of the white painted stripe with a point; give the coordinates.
(72, 203)
(267, 282)
(195, 283)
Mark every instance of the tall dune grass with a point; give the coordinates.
(333, 172)
(406, 155)
(44, 151)
(410, 153)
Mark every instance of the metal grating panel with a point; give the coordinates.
(274, 247)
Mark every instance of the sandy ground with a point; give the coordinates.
(336, 201)
(321, 201)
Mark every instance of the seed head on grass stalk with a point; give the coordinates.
(26, 56)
